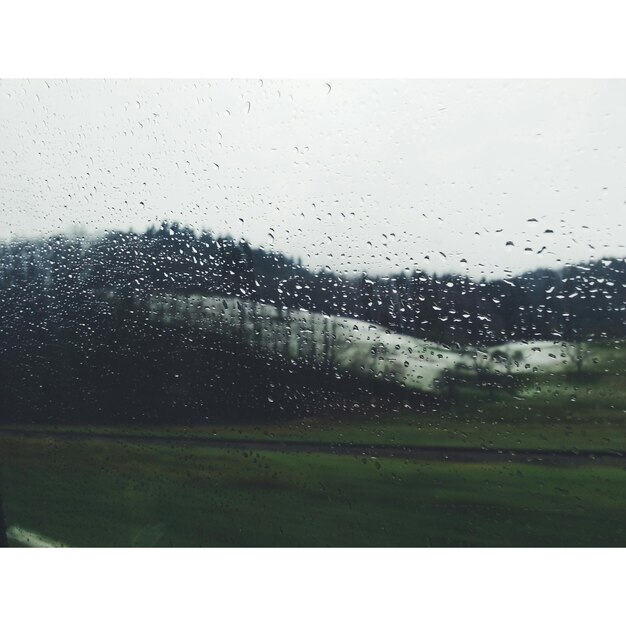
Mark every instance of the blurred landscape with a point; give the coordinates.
(303, 313)
(169, 324)
(208, 360)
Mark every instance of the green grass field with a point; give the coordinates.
(112, 493)
(100, 493)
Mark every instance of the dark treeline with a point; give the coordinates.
(572, 303)
(77, 343)
(118, 365)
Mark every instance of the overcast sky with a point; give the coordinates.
(482, 177)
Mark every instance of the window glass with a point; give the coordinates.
(300, 313)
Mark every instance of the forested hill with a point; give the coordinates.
(576, 302)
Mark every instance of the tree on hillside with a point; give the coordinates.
(578, 354)
(508, 358)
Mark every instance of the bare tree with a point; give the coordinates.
(508, 358)
(578, 354)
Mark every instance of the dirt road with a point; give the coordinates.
(456, 454)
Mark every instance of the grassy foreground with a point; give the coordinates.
(102, 493)
(98, 492)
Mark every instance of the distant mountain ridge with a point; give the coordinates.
(60, 273)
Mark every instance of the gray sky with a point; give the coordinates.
(483, 177)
